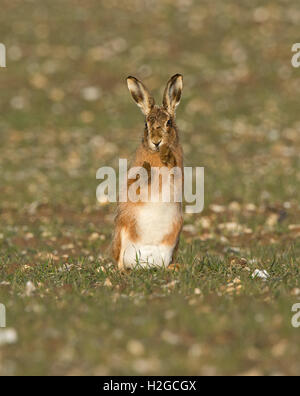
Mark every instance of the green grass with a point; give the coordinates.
(238, 118)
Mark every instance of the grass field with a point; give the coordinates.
(66, 111)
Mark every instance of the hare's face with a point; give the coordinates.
(160, 120)
(159, 128)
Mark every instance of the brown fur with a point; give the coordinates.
(160, 128)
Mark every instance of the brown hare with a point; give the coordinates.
(147, 233)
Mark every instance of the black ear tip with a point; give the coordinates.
(178, 75)
(131, 78)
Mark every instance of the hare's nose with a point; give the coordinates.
(157, 144)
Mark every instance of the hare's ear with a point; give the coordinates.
(172, 93)
(140, 94)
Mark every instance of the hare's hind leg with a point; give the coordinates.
(117, 245)
(172, 239)
(174, 266)
(175, 251)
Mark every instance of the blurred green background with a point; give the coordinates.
(66, 111)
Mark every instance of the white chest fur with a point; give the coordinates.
(154, 222)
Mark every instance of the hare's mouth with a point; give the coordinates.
(155, 146)
(155, 149)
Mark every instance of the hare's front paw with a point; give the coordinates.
(147, 166)
(166, 156)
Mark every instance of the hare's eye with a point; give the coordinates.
(146, 125)
(169, 123)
